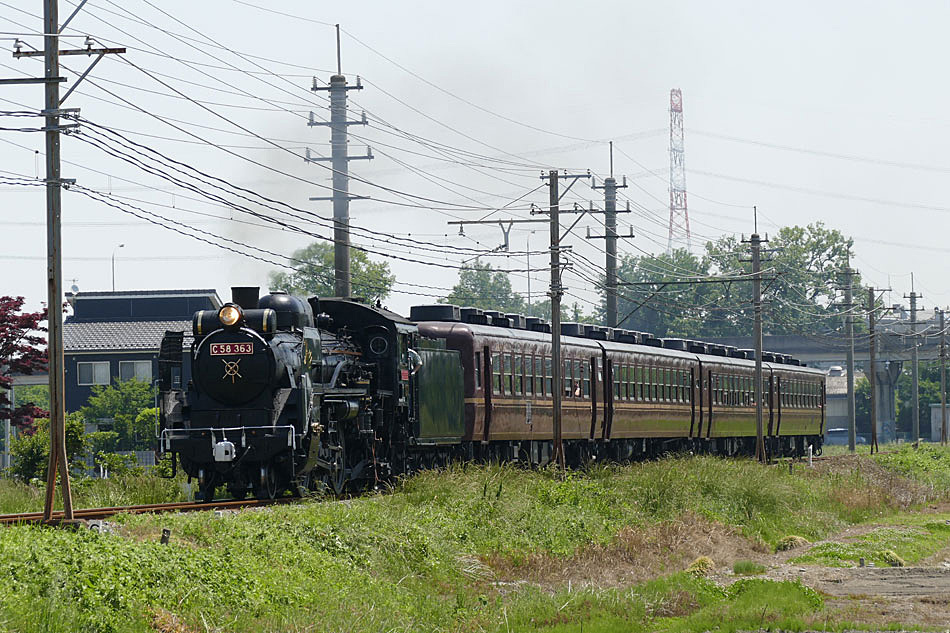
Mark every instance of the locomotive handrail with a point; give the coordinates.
(185, 432)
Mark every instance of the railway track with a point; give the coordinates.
(88, 514)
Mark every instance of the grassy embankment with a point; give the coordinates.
(473, 549)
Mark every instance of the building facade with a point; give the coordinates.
(114, 336)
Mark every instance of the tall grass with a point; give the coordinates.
(421, 557)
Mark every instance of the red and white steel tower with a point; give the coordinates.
(679, 215)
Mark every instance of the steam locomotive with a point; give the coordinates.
(338, 394)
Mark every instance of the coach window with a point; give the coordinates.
(528, 374)
(496, 373)
(585, 378)
(548, 370)
(506, 374)
(518, 375)
(539, 375)
(478, 370)
(620, 389)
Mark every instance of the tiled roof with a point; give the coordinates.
(199, 292)
(118, 335)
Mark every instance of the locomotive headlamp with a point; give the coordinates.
(230, 315)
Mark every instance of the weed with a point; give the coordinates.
(747, 568)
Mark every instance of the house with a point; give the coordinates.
(116, 335)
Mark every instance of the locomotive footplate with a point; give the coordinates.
(232, 445)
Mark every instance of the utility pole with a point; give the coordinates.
(915, 377)
(755, 243)
(52, 111)
(849, 332)
(872, 363)
(610, 187)
(943, 380)
(556, 290)
(339, 160)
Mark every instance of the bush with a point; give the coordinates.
(891, 558)
(702, 566)
(119, 465)
(30, 453)
(791, 542)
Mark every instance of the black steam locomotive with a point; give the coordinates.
(331, 393)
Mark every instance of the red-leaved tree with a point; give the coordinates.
(22, 351)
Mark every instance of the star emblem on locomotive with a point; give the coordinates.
(231, 369)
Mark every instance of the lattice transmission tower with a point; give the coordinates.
(679, 215)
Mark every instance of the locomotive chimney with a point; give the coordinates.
(245, 296)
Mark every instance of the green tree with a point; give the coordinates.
(806, 264)
(481, 287)
(929, 393)
(30, 452)
(313, 274)
(38, 395)
(123, 402)
(675, 310)
(862, 406)
(802, 272)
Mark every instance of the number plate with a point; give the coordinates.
(228, 349)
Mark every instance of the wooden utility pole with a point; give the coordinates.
(52, 111)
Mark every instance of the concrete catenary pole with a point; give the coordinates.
(756, 244)
(339, 161)
(849, 324)
(872, 369)
(555, 293)
(915, 376)
(943, 380)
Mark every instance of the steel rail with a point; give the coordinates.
(25, 518)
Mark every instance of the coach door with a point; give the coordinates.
(693, 389)
(608, 392)
(491, 381)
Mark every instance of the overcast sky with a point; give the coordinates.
(831, 112)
